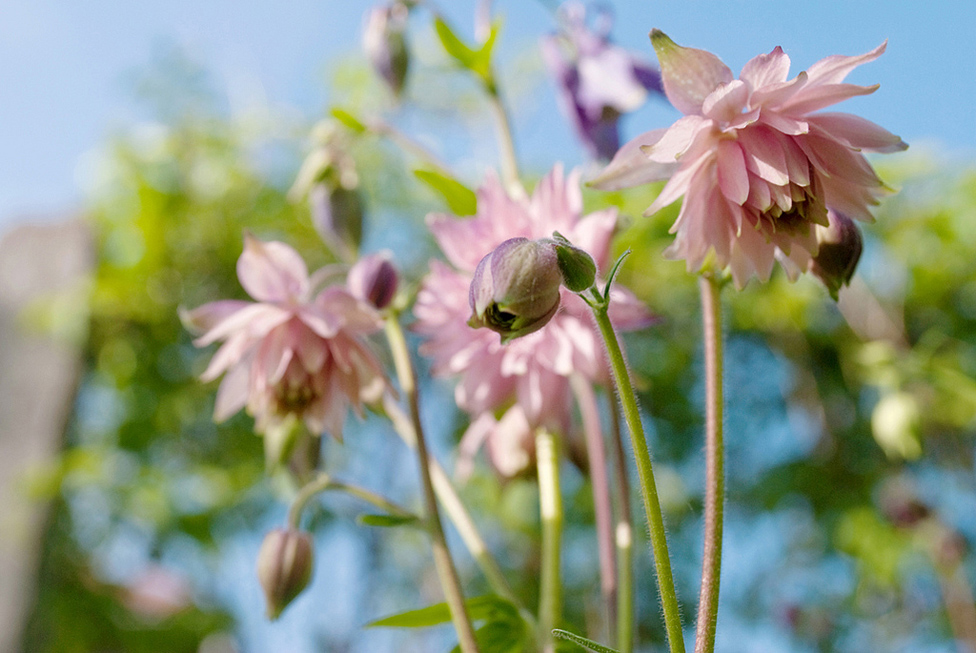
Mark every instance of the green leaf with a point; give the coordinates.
(582, 641)
(477, 61)
(387, 521)
(349, 121)
(460, 199)
(491, 607)
(500, 637)
(613, 275)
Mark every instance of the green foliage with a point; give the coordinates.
(582, 642)
(478, 61)
(460, 199)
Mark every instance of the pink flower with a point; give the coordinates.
(514, 388)
(757, 167)
(295, 351)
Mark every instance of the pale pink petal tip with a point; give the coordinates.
(689, 75)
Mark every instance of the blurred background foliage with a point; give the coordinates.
(852, 499)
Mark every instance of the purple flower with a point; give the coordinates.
(511, 389)
(598, 81)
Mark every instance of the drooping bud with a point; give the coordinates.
(337, 213)
(515, 290)
(284, 567)
(578, 267)
(386, 45)
(374, 279)
(840, 245)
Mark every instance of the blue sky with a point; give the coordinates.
(65, 66)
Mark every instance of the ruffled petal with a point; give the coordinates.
(766, 69)
(858, 132)
(833, 69)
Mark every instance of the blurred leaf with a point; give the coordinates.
(349, 120)
(460, 199)
(489, 607)
(582, 641)
(477, 61)
(388, 521)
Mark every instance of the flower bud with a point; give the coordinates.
(578, 267)
(840, 246)
(515, 290)
(284, 567)
(373, 279)
(386, 46)
(337, 213)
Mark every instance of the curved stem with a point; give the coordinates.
(714, 466)
(624, 539)
(652, 504)
(407, 144)
(323, 482)
(458, 514)
(600, 483)
(551, 509)
(446, 570)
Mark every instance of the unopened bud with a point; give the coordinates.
(284, 567)
(337, 213)
(373, 279)
(515, 290)
(840, 246)
(386, 45)
(578, 267)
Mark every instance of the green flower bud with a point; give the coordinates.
(284, 567)
(515, 290)
(578, 267)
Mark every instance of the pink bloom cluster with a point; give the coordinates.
(512, 389)
(756, 166)
(296, 351)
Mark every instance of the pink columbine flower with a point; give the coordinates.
(757, 167)
(295, 352)
(511, 389)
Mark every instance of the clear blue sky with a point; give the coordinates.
(64, 66)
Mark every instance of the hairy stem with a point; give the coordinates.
(645, 472)
(600, 483)
(446, 570)
(458, 514)
(551, 508)
(624, 533)
(714, 466)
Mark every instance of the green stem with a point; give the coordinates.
(506, 142)
(645, 471)
(408, 144)
(458, 514)
(624, 540)
(551, 509)
(323, 482)
(714, 466)
(600, 484)
(446, 570)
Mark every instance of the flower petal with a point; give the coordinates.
(689, 75)
(725, 103)
(813, 98)
(858, 132)
(631, 167)
(203, 318)
(272, 271)
(766, 69)
(733, 178)
(833, 69)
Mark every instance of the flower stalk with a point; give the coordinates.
(645, 471)
(602, 506)
(551, 509)
(446, 570)
(624, 539)
(323, 482)
(710, 288)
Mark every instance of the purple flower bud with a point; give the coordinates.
(284, 567)
(386, 46)
(515, 290)
(840, 246)
(373, 279)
